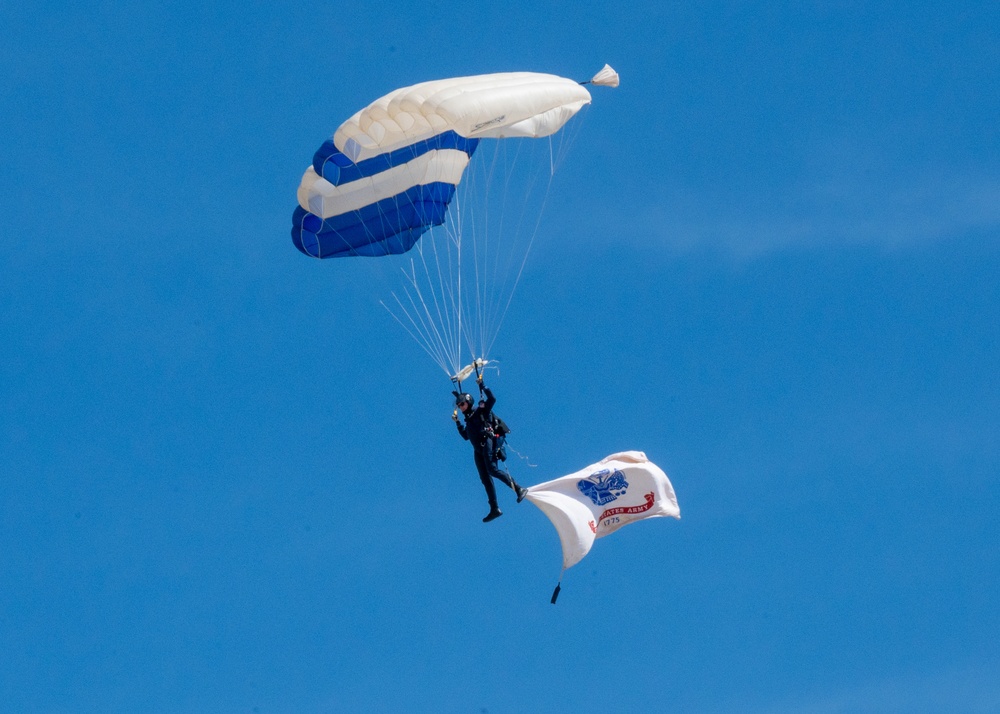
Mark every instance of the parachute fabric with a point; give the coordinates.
(390, 171)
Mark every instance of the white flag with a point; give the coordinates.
(602, 498)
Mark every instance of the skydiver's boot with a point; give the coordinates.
(495, 512)
(521, 492)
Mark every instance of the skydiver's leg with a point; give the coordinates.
(494, 470)
(484, 476)
(493, 467)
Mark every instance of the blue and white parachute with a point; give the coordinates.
(389, 173)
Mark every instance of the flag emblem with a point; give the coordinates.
(603, 486)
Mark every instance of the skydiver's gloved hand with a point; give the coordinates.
(479, 381)
(454, 416)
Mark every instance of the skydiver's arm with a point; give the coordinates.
(461, 430)
(490, 399)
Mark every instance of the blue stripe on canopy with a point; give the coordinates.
(387, 227)
(333, 165)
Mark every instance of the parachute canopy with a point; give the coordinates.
(389, 172)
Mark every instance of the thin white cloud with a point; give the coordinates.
(973, 690)
(850, 210)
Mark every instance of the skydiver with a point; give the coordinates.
(480, 430)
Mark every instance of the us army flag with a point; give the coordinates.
(601, 498)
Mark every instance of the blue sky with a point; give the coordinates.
(771, 262)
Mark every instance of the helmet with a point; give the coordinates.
(463, 398)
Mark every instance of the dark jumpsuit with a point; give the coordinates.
(477, 429)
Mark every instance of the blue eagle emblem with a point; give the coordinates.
(604, 486)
